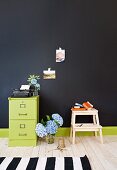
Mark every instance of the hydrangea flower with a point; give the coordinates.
(34, 81)
(58, 119)
(51, 127)
(38, 86)
(40, 130)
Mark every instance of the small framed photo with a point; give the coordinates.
(49, 74)
(60, 55)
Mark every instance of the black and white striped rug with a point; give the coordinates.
(45, 163)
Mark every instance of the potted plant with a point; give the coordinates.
(48, 127)
(33, 82)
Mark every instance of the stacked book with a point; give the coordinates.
(85, 106)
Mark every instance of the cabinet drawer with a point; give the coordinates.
(23, 109)
(22, 129)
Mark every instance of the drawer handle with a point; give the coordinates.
(22, 134)
(22, 114)
(22, 105)
(22, 126)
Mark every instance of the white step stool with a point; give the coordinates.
(76, 127)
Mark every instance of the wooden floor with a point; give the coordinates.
(101, 156)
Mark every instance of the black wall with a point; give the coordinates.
(31, 31)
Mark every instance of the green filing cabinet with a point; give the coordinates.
(23, 117)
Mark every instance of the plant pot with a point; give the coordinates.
(50, 139)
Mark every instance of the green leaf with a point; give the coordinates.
(43, 122)
(57, 123)
(48, 117)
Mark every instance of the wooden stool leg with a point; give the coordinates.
(95, 133)
(73, 140)
(71, 133)
(95, 122)
(101, 137)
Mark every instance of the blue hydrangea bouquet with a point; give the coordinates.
(48, 127)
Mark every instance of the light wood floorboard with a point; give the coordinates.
(101, 156)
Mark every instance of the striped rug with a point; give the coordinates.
(45, 163)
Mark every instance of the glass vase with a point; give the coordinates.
(35, 93)
(50, 139)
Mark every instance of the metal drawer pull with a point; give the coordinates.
(24, 134)
(22, 125)
(22, 114)
(22, 105)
